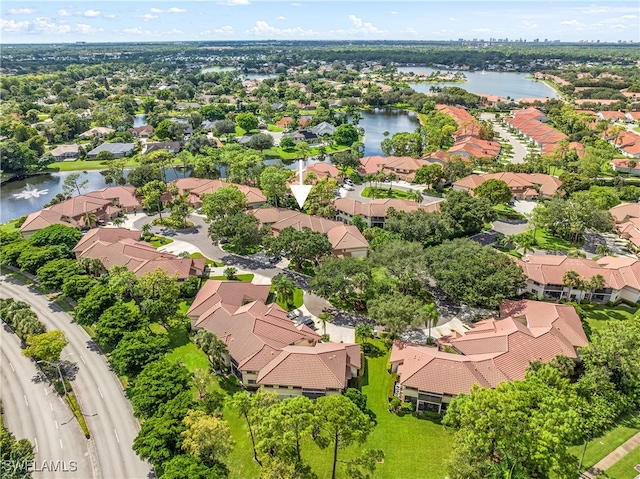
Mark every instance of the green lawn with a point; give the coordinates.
(87, 165)
(544, 240)
(9, 227)
(414, 448)
(158, 241)
(598, 316)
(627, 426)
(242, 252)
(292, 154)
(183, 350)
(383, 192)
(208, 262)
(625, 467)
(273, 127)
(507, 211)
(247, 278)
(297, 300)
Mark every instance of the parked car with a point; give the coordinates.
(275, 259)
(348, 187)
(292, 315)
(308, 322)
(347, 181)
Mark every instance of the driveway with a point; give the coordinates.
(519, 149)
(34, 411)
(100, 395)
(524, 207)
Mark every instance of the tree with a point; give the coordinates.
(572, 280)
(273, 183)
(224, 127)
(283, 427)
(90, 307)
(346, 160)
(207, 437)
(46, 346)
(230, 273)
(212, 112)
(260, 141)
(533, 421)
(191, 467)
(137, 349)
(284, 287)
(158, 295)
(116, 321)
(345, 134)
(16, 456)
(56, 235)
(247, 121)
(53, 274)
(496, 191)
(287, 143)
(364, 332)
(251, 407)
(320, 197)
(71, 184)
(464, 214)
(179, 205)
(303, 149)
(344, 278)
(395, 312)
(359, 222)
(32, 257)
(227, 201)
(325, 318)
(473, 274)
(215, 348)
(339, 424)
(152, 195)
(430, 315)
(144, 174)
(77, 286)
(157, 384)
(242, 230)
(274, 467)
(299, 246)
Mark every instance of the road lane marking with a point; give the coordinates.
(100, 393)
(51, 406)
(56, 423)
(25, 400)
(46, 393)
(83, 359)
(117, 438)
(61, 444)
(12, 367)
(35, 439)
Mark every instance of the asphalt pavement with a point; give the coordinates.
(102, 400)
(33, 410)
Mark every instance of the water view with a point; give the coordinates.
(504, 84)
(139, 120)
(376, 122)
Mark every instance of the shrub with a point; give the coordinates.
(395, 404)
(407, 407)
(71, 400)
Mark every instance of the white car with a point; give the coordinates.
(349, 188)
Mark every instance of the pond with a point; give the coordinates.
(504, 84)
(22, 197)
(378, 121)
(140, 120)
(249, 76)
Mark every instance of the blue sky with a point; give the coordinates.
(176, 20)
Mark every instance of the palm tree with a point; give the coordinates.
(325, 318)
(118, 221)
(571, 279)
(391, 176)
(90, 219)
(597, 282)
(215, 348)
(284, 288)
(146, 229)
(603, 250)
(507, 468)
(416, 196)
(430, 315)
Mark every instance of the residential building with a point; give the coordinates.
(627, 216)
(303, 135)
(320, 169)
(493, 351)
(531, 123)
(611, 116)
(628, 143)
(626, 165)
(545, 275)
(65, 152)
(97, 132)
(123, 197)
(119, 247)
(323, 129)
(41, 219)
(374, 212)
(172, 147)
(525, 186)
(265, 348)
(404, 167)
(144, 131)
(118, 150)
(471, 146)
(370, 165)
(198, 187)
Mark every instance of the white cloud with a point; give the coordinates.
(453, 19)
(91, 13)
(628, 17)
(233, 3)
(176, 10)
(135, 31)
(22, 11)
(87, 29)
(226, 30)
(173, 31)
(149, 16)
(571, 22)
(45, 25)
(110, 16)
(13, 26)
(280, 18)
(296, 4)
(63, 13)
(481, 30)
(155, 10)
(528, 24)
(393, 12)
(363, 27)
(263, 28)
(411, 30)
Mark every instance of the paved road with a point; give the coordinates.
(33, 410)
(109, 416)
(519, 150)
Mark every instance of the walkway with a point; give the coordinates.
(612, 458)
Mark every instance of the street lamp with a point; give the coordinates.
(57, 366)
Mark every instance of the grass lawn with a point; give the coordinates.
(383, 192)
(507, 211)
(598, 316)
(414, 448)
(181, 349)
(207, 261)
(9, 227)
(544, 240)
(247, 278)
(292, 154)
(297, 300)
(158, 241)
(242, 252)
(627, 426)
(87, 165)
(272, 127)
(624, 468)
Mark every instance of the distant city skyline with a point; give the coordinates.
(216, 20)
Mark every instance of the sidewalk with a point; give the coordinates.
(612, 458)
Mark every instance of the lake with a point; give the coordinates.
(139, 120)
(46, 187)
(504, 84)
(377, 121)
(248, 76)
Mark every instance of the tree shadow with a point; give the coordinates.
(93, 347)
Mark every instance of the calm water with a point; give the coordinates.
(139, 120)
(504, 84)
(249, 76)
(12, 207)
(377, 121)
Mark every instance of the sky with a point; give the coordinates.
(176, 20)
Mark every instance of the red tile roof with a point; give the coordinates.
(378, 208)
(548, 184)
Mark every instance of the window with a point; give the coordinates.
(251, 381)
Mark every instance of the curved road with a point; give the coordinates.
(34, 411)
(99, 392)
